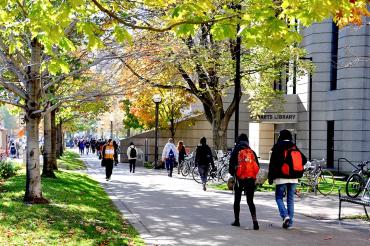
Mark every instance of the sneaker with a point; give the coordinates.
(107, 179)
(286, 222)
(204, 187)
(236, 223)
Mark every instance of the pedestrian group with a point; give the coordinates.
(285, 167)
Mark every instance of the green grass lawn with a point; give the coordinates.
(79, 213)
(71, 161)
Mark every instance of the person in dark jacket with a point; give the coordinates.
(182, 154)
(284, 184)
(203, 160)
(248, 185)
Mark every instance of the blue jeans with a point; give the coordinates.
(289, 190)
(203, 173)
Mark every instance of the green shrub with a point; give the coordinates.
(8, 169)
(148, 165)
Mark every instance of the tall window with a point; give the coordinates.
(334, 57)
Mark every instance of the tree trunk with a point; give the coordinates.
(219, 132)
(33, 192)
(57, 142)
(47, 170)
(62, 139)
(53, 154)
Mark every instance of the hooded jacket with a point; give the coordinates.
(233, 162)
(204, 156)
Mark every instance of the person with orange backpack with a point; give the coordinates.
(286, 166)
(244, 167)
(108, 153)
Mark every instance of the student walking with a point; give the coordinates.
(244, 167)
(132, 156)
(203, 160)
(81, 146)
(169, 156)
(286, 166)
(87, 146)
(182, 153)
(108, 153)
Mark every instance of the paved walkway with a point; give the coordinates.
(175, 211)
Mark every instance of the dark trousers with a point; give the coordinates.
(247, 185)
(108, 168)
(132, 165)
(203, 173)
(169, 165)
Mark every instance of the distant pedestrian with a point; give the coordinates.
(244, 166)
(108, 158)
(81, 146)
(169, 156)
(286, 166)
(87, 147)
(132, 156)
(203, 160)
(93, 145)
(116, 151)
(182, 153)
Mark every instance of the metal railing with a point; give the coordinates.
(348, 161)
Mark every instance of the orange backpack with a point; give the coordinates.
(294, 161)
(247, 164)
(109, 152)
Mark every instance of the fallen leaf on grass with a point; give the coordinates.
(9, 233)
(101, 229)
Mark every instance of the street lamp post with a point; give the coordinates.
(111, 129)
(111, 117)
(157, 99)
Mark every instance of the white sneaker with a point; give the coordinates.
(286, 222)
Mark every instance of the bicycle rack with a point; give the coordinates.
(348, 161)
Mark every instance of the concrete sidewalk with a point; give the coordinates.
(175, 211)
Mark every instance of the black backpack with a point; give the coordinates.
(133, 153)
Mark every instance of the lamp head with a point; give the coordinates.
(157, 98)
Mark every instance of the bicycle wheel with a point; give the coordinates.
(304, 185)
(354, 185)
(325, 182)
(223, 173)
(196, 175)
(185, 169)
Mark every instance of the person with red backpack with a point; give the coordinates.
(286, 166)
(244, 167)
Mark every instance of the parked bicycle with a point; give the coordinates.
(218, 175)
(186, 166)
(357, 181)
(316, 178)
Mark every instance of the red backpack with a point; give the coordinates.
(294, 161)
(247, 164)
